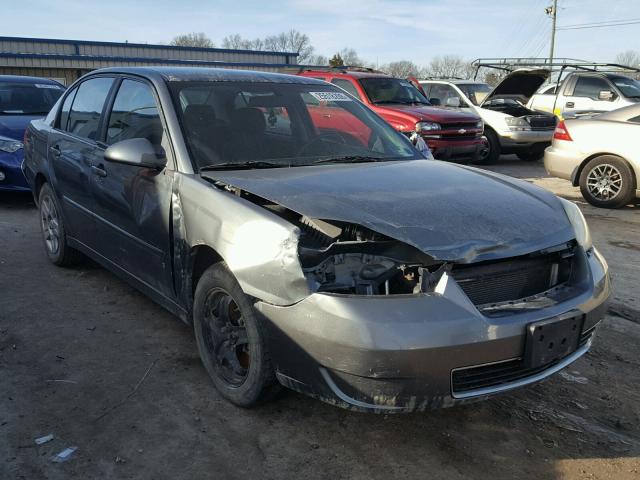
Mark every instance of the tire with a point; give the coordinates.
(237, 360)
(54, 234)
(493, 152)
(607, 182)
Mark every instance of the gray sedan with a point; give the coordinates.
(309, 244)
(601, 154)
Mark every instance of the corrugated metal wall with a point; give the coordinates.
(68, 59)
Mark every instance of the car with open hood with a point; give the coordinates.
(22, 99)
(309, 243)
(510, 126)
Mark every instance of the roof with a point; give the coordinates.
(25, 79)
(346, 73)
(140, 45)
(199, 74)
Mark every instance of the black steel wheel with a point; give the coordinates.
(491, 152)
(231, 339)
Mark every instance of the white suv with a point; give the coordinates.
(510, 127)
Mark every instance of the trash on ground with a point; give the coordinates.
(64, 455)
(45, 439)
(573, 378)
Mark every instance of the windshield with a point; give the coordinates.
(264, 125)
(476, 92)
(20, 98)
(628, 86)
(383, 90)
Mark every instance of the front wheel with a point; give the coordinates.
(491, 153)
(231, 339)
(607, 182)
(54, 233)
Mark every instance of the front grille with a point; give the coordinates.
(457, 126)
(495, 374)
(513, 279)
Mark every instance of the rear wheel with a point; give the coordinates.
(231, 339)
(54, 233)
(491, 153)
(607, 182)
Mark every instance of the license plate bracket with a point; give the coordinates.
(551, 339)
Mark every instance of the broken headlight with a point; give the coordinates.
(579, 224)
(350, 259)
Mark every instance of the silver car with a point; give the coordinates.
(601, 154)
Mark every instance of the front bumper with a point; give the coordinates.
(454, 149)
(398, 354)
(10, 168)
(525, 138)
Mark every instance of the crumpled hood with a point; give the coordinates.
(450, 212)
(429, 113)
(14, 126)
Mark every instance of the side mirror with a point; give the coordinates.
(434, 101)
(606, 95)
(453, 102)
(137, 152)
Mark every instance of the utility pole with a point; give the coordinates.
(552, 11)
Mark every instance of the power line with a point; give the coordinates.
(600, 26)
(600, 23)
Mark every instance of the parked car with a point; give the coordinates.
(309, 243)
(584, 92)
(601, 154)
(509, 126)
(449, 134)
(22, 99)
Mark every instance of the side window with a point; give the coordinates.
(134, 114)
(445, 94)
(550, 90)
(590, 87)
(84, 117)
(634, 119)
(347, 86)
(66, 108)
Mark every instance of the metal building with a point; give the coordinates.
(66, 60)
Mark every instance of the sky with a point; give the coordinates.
(380, 31)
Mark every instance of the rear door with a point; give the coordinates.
(584, 94)
(73, 152)
(132, 204)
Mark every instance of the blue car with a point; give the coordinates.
(22, 99)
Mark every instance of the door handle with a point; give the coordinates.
(569, 104)
(55, 150)
(99, 170)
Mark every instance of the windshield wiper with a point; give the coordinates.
(244, 165)
(399, 102)
(349, 159)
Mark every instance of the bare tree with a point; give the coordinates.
(194, 39)
(449, 66)
(237, 42)
(291, 41)
(630, 58)
(351, 58)
(401, 69)
(319, 60)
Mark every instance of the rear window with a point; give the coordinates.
(21, 98)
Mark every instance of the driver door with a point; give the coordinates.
(132, 203)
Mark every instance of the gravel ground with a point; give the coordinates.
(87, 358)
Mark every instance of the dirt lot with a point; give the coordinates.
(75, 344)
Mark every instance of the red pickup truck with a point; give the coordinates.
(449, 134)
